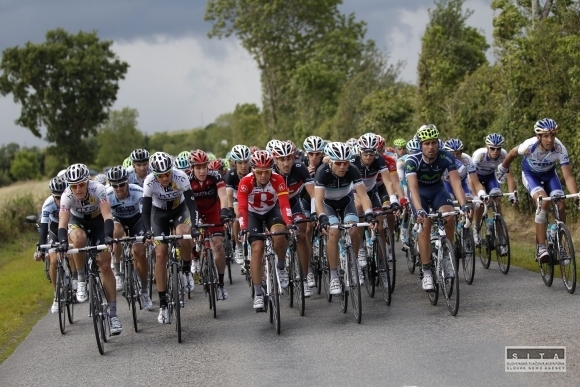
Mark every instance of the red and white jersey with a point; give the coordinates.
(391, 166)
(252, 197)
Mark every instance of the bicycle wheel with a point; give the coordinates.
(369, 273)
(433, 294)
(275, 296)
(60, 299)
(96, 313)
(342, 275)
(566, 257)
(483, 249)
(390, 249)
(176, 299)
(151, 270)
(384, 274)
(502, 239)
(546, 269)
(69, 302)
(450, 283)
(410, 250)
(213, 286)
(298, 282)
(291, 275)
(354, 290)
(131, 290)
(467, 255)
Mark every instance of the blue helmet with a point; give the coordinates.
(494, 139)
(413, 146)
(181, 162)
(453, 145)
(545, 125)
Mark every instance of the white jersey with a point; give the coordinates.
(464, 165)
(134, 179)
(537, 159)
(49, 212)
(88, 207)
(128, 207)
(169, 197)
(485, 165)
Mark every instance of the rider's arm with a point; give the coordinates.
(147, 204)
(191, 206)
(511, 182)
(230, 196)
(455, 182)
(222, 194)
(396, 183)
(413, 185)
(511, 156)
(43, 233)
(569, 179)
(105, 207)
(363, 197)
(245, 186)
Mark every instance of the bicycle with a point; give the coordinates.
(295, 273)
(411, 249)
(560, 247)
(493, 234)
(209, 273)
(270, 281)
(377, 271)
(465, 244)
(444, 264)
(150, 256)
(349, 271)
(229, 247)
(32, 219)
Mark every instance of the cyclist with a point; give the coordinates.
(181, 163)
(241, 167)
(263, 198)
(167, 196)
(334, 186)
(48, 233)
(126, 202)
(209, 191)
(85, 216)
(400, 147)
(486, 160)
(127, 163)
(218, 166)
(540, 155)
(101, 178)
(412, 147)
(139, 169)
(297, 179)
(424, 171)
(464, 165)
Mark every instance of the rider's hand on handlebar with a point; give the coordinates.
(323, 223)
(38, 255)
(466, 210)
(421, 215)
(63, 245)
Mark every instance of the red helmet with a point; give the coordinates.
(254, 149)
(216, 165)
(262, 159)
(390, 149)
(198, 157)
(380, 141)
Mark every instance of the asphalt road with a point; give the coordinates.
(409, 343)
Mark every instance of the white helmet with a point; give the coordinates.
(271, 144)
(240, 153)
(338, 151)
(160, 162)
(313, 144)
(76, 173)
(368, 141)
(282, 149)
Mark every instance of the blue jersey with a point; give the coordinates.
(430, 174)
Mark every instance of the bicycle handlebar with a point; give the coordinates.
(349, 225)
(556, 198)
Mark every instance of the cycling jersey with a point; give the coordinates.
(128, 207)
(429, 175)
(49, 212)
(87, 208)
(538, 160)
(464, 166)
(232, 180)
(336, 188)
(254, 198)
(485, 165)
(370, 172)
(206, 192)
(169, 197)
(296, 179)
(134, 179)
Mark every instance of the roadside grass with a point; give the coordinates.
(25, 292)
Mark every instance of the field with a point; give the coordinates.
(38, 189)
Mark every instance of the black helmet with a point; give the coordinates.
(117, 174)
(139, 155)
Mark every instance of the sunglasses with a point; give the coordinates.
(315, 154)
(56, 197)
(262, 171)
(120, 185)
(163, 175)
(369, 152)
(341, 163)
(492, 148)
(82, 184)
(141, 164)
(286, 158)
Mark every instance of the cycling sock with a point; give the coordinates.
(310, 269)
(75, 275)
(541, 246)
(144, 286)
(162, 299)
(258, 290)
(117, 268)
(186, 266)
(81, 275)
(333, 273)
(113, 308)
(221, 280)
(426, 267)
(281, 264)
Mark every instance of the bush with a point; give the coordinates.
(13, 214)
(25, 166)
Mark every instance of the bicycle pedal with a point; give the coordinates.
(260, 310)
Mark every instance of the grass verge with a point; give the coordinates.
(24, 290)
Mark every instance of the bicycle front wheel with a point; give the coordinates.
(298, 282)
(483, 249)
(69, 302)
(176, 299)
(384, 275)
(390, 250)
(275, 296)
(61, 299)
(213, 286)
(567, 258)
(131, 290)
(354, 285)
(151, 270)
(502, 245)
(467, 254)
(450, 283)
(547, 268)
(95, 305)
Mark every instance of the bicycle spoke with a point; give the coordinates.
(502, 245)
(567, 258)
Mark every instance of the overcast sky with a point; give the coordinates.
(178, 78)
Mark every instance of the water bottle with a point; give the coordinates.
(551, 232)
(489, 225)
(369, 242)
(341, 249)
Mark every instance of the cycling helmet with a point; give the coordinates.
(226, 163)
(61, 173)
(313, 144)
(216, 165)
(160, 162)
(262, 159)
(117, 174)
(440, 142)
(254, 149)
(127, 162)
(76, 173)
(399, 143)
(198, 157)
(545, 125)
(338, 151)
(181, 162)
(352, 142)
(101, 178)
(139, 155)
(211, 156)
(427, 132)
(271, 144)
(57, 185)
(413, 146)
(494, 139)
(240, 153)
(281, 149)
(298, 153)
(453, 145)
(184, 154)
(380, 141)
(368, 141)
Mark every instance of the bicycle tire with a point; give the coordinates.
(410, 250)
(467, 255)
(131, 291)
(483, 248)
(382, 268)
(325, 270)
(433, 295)
(369, 273)
(70, 311)
(213, 286)
(60, 299)
(547, 268)
(176, 299)
(568, 270)
(95, 307)
(505, 261)
(390, 244)
(275, 298)
(450, 286)
(291, 284)
(355, 296)
(151, 270)
(298, 283)
(342, 271)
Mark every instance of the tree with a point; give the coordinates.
(450, 50)
(66, 84)
(118, 137)
(25, 166)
